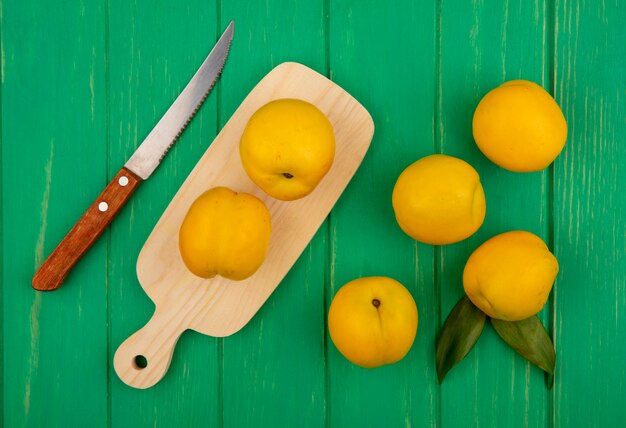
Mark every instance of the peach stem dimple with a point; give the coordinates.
(287, 175)
(376, 303)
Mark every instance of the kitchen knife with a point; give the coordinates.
(138, 168)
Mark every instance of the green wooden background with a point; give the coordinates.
(83, 81)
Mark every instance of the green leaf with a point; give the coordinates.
(529, 339)
(458, 335)
(549, 379)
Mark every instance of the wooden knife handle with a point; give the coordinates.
(86, 231)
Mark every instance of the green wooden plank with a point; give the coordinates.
(154, 49)
(53, 165)
(274, 367)
(2, 204)
(483, 44)
(384, 55)
(589, 207)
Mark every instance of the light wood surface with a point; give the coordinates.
(220, 307)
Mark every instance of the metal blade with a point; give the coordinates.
(152, 150)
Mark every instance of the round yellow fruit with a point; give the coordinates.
(287, 147)
(510, 276)
(225, 233)
(372, 321)
(439, 200)
(519, 126)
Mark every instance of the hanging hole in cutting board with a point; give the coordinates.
(140, 362)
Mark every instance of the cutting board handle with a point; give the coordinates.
(143, 359)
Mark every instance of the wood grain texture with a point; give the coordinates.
(384, 53)
(54, 163)
(589, 215)
(221, 307)
(86, 231)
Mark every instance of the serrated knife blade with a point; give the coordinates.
(139, 167)
(152, 150)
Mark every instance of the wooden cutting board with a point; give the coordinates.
(220, 307)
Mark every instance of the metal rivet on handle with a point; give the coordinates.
(123, 180)
(103, 206)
